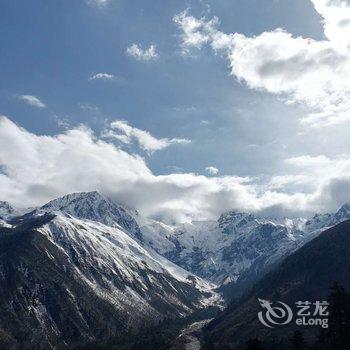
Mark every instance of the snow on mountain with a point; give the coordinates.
(4, 223)
(44, 303)
(237, 244)
(322, 221)
(6, 210)
(143, 269)
(77, 251)
(126, 274)
(222, 251)
(157, 235)
(93, 206)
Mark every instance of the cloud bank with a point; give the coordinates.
(301, 70)
(37, 168)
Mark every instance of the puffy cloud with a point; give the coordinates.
(212, 170)
(196, 32)
(336, 14)
(33, 101)
(326, 180)
(319, 169)
(102, 76)
(140, 54)
(39, 167)
(35, 169)
(120, 130)
(302, 70)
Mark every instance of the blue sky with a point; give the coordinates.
(51, 49)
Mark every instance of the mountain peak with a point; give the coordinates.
(94, 206)
(342, 214)
(6, 209)
(232, 220)
(65, 200)
(235, 214)
(345, 208)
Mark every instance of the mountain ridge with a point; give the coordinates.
(235, 249)
(307, 274)
(95, 207)
(143, 269)
(95, 264)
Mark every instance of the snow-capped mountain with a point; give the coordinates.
(95, 207)
(44, 303)
(129, 268)
(126, 274)
(307, 274)
(222, 250)
(61, 255)
(6, 210)
(219, 251)
(321, 221)
(238, 247)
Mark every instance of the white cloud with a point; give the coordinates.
(302, 70)
(211, 170)
(140, 54)
(196, 32)
(32, 101)
(336, 14)
(123, 132)
(36, 169)
(102, 76)
(62, 122)
(39, 168)
(324, 181)
(101, 3)
(318, 170)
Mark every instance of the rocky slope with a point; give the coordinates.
(68, 278)
(237, 249)
(140, 269)
(43, 301)
(6, 210)
(95, 207)
(306, 275)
